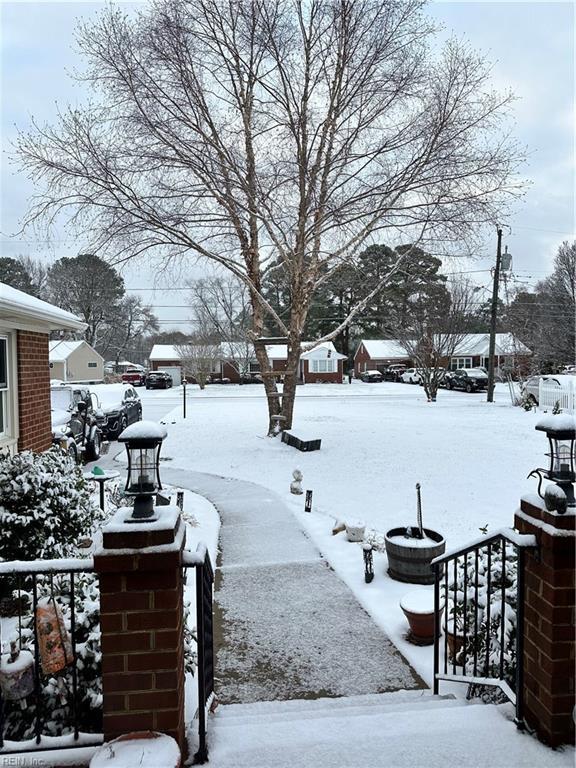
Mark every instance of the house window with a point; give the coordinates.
(323, 366)
(460, 362)
(92, 365)
(4, 390)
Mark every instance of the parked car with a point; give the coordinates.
(393, 372)
(251, 378)
(134, 376)
(371, 376)
(531, 388)
(158, 380)
(411, 376)
(466, 379)
(76, 421)
(121, 406)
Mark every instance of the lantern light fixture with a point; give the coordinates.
(560, 430)
(143, 443)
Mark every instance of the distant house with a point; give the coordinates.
(75, 361)
(323, 363)
(320, 364)
(377, 354)
(25, 325)
(470, 352)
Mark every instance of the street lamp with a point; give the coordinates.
(143, 442)
(560, 430)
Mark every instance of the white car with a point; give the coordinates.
(531, 387)
(411, 376)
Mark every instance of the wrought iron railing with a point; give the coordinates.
(479, 613)
(205, 640)
(47, 688)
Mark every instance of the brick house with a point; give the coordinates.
(25, 325)
(470, 352)
(321, 364)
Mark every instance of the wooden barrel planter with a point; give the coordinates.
(409, 558)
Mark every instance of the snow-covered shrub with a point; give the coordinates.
(485, 643)
(56, 699)
(45, 506)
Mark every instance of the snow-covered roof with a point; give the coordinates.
(280, 351)
(17, 306)
(472, 345)
(164, 352)
(477, 344)
(242, 348)
(383, 349)
(60, 350)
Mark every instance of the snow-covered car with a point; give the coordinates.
(120, 405)
(76, 421)
(158, 380)
(411, 376)
(531, 388)
(369, 376)
(466, 379)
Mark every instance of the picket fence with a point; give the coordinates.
(564, 394)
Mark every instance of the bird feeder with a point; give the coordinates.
(54, 643)
(368, 562)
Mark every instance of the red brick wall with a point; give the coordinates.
(549, 644)
(33, 391)
(360, 359)
(155, 365)
(331, 378)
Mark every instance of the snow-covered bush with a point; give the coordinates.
(485, 643)
(45, 506)
(56, 699)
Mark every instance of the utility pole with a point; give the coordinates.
(493, 318)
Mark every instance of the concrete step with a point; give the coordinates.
(232, 715)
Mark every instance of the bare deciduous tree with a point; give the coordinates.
(221, 306)
(436, 326)
(200, 357)
(260, 132)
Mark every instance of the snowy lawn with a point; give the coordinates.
(378, 440)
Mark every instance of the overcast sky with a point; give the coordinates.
(531, 45)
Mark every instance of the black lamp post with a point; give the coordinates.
(560, 430)
(143, 442)
(368, 562)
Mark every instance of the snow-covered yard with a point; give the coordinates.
(378, 441)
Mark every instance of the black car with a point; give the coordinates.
(76, 421)
(158, 380)
(120, 405)
(393, 372)
(371, 376)
(466, 379)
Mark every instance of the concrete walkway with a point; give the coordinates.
(288, 627)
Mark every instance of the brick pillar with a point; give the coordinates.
(141, 616)
(549, 643)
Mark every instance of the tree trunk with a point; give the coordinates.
(290, 383)
(272, 394)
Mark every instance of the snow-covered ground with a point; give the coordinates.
(378, 441)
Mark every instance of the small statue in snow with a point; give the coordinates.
(296, 484)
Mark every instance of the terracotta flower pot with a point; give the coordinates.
(418, 607)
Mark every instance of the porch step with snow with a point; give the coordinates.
(390, 730)
(235, 715)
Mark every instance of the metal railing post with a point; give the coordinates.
(437, 626)
(201, 755)
(519, 719)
